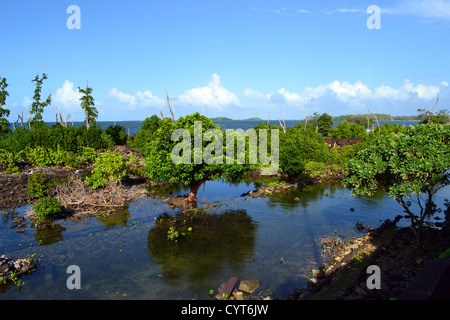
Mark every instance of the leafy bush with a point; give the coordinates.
(108, 166)
(39, 156)
(320, 169)
(346, 130)
(10, 160)
(38, 184)
(88, 154)
(118, 134)
(298, 147)
(47, 208)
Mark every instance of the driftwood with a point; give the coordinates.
(75, 194)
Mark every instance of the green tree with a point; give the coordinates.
(87, 104)
(411, 166)
(4, 123)
(346, 130)
(324, 124)
(441, 116)
(37, 107)
(298, 147)
(161, 167)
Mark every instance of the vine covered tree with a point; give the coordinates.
(37, 107)
(4, 123)
(411, 166)
(87, 104)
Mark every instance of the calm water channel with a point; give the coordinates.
(127, 256)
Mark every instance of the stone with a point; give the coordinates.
(249, 286)
(239, 295)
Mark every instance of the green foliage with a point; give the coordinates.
(47, 208)
(118, 135)
(407, 165)
(298, 147)
(72, 139)
(147, 133)
(343, 154)
(439, 117)
(385, 129)
(10, 160)
(38, 185)
(37, 107)
(43, 157)
(324, 124)
(110, 165)
(4, 113)
(320, 169)
(87, 104)
(151, 123)
(88, 154)
(346, 130)
(160, 166)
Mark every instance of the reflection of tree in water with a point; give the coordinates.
(216, 241)
(113, 218)
(49, 233)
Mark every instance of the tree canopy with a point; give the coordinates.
(159, 154)
(411, 166)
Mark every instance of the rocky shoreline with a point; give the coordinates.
(12, 269)
(343, 274)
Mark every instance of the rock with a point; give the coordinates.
(249, 286)
(239, 295)
(20, 230)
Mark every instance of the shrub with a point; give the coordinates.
(109, 165)
(47, 208)
(118, 134)
(10, 160)
(298, 147)
(346, 130)
(38, 184)
(39, 156)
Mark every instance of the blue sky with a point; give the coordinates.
(229, 58)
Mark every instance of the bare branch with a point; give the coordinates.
(170, 109)
(431, 110)
(378, 124)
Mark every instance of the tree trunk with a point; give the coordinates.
(193, 186)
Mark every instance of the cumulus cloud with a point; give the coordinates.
(345, 91)
(213, 95)
(67, 97)
(140, 99)
(444, 84)
(404, 92)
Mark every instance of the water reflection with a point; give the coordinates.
(49, 233)
(112, 218)
(216, 241)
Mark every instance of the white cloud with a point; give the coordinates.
(122, 97)
(141, 99)
(254, 94)
(67, 96)
(345, 91)
(404, 92)
(213, 95)
(444, 84)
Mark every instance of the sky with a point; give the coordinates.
(237, 59)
